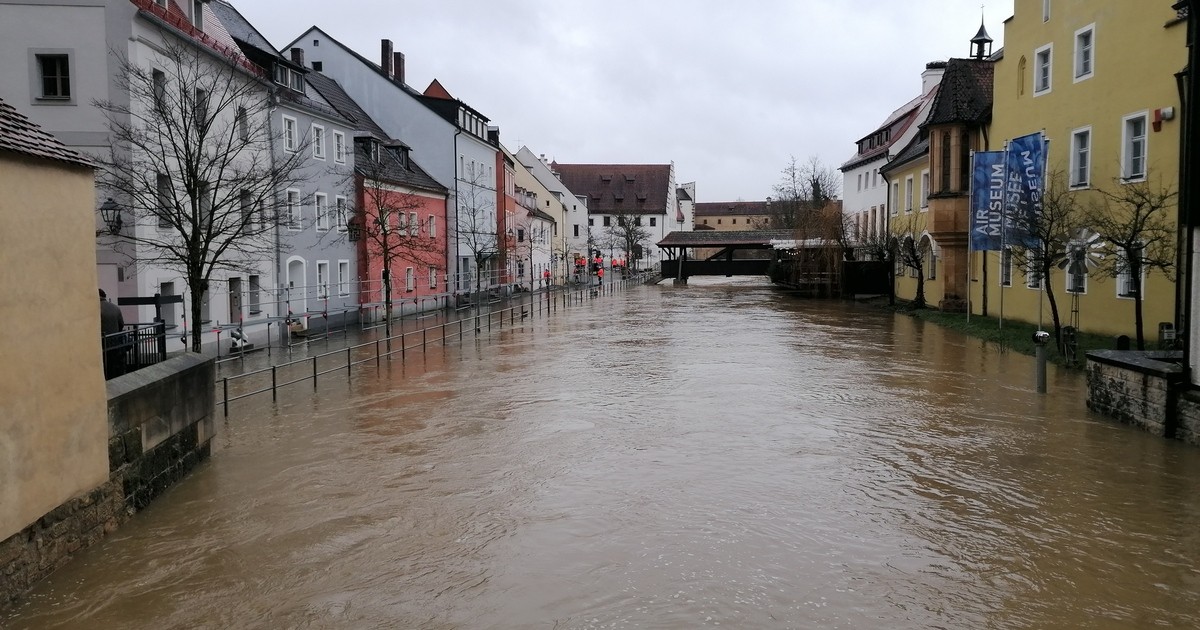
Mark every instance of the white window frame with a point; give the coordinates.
(1127, 144)
(291, 141)
(895, 197)
(321, 210)
(1038, 88)
(924, 190)
(322, 279)
(1085, 54)
(414, 224)
(339, 213)
(432, 226)
(339, 147)
(1081, 158)
(931, 272)
(295, 208)
(1125, 279)
(1033, 278)
(318, 141)
(432, 277)
(908, 194)
(1006, 267)
(343, 278)
(410, 279)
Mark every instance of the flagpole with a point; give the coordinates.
(970, 233)
(1042, 244)
(1003, 237)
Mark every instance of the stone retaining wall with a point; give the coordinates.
(161, 423)
(1145, 389)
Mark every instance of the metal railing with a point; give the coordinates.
(135, 347)
(543, 304)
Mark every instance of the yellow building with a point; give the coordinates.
(1097, 77)
(53, 404)
(917, 255)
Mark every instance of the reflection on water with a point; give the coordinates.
(673, 457)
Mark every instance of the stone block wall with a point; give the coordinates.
(1144, 389)
(161, 424)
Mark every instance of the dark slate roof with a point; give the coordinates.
(899, 122)
(392, 170)
(332, 92)
(20, 135)
(965, 95)
(719, 238)
(732, 208)
(238, 26)
(915, 149)
(619, 188)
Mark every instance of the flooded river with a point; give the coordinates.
(714, 455)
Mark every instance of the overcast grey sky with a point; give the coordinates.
(726, 90)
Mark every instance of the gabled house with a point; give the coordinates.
(864, 193)
(396, 219)
(620, 195)
(70, 66)
(572, 211)
(316, 261)
(537, 231)
(450, 136)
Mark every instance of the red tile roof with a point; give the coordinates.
(619, 188)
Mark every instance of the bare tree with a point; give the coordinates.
(531, 239)
(803, 189)
(912, 251)
(191, 163)
(1053, 231)
(1134, 221)
(388, 215)
(627, 234)
(476, 225)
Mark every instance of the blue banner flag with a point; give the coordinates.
(1026, 177)
(987, 200)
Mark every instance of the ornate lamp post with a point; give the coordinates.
(110, 212)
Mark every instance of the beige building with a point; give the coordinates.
(53, 404)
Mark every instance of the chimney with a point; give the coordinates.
(398, 66)
(298, 56)
(385, 57)
(932, 75)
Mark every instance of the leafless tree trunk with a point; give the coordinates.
(191, 163)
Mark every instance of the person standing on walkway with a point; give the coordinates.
(111, 322)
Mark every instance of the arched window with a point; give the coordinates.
(945, 166)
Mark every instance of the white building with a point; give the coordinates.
(864, 192)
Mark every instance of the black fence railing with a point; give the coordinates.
(136, 347)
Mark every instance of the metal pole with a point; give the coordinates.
(314, 362)
(376, 353)
(403, 344)
(225, 394)
(424, 340)
(347, 363)
(274, 397)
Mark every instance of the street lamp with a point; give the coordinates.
(111, 213)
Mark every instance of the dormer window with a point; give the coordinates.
(198, 14)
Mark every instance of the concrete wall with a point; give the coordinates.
(160, 425)
(51, 383)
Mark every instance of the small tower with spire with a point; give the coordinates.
(981, 44)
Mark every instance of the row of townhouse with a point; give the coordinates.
(399, 199)
(1099, 81)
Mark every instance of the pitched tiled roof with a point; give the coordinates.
(392, 170)
(915, 149)
(732, 208)
(966, 93)
(619, 188)
(213, 35)
(905, 115)
(20, 135)
(716, 238)
(332, 92)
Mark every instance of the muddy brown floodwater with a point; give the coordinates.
(715, 455)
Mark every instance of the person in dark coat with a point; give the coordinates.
(111, 321)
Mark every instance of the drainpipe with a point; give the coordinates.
(454, 165)
(273, 98)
